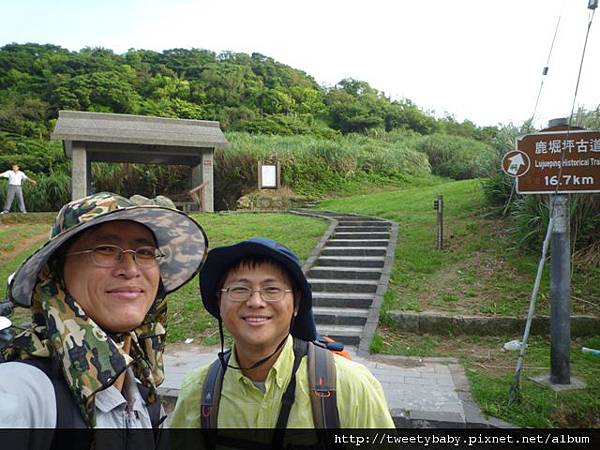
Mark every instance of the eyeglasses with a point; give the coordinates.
(111, 255)
(268, 294)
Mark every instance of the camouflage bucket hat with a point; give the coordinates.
(180, 239)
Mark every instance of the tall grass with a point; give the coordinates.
(458, 157)
(314, 166)
(310, 165)
(148, 180)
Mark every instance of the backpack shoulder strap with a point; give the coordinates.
(322, 382)
(289, 396)
(154, 409)
(211, 392)
(321, 379)
(67, 412)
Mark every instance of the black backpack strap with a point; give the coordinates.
(68, 415)
(322, 382)
(289, 396)
(156, 418)
(154, 409)
(211, 392)
(67, 411)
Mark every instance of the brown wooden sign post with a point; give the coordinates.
(577, 171)
(557, 161)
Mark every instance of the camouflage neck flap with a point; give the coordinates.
(90, 359)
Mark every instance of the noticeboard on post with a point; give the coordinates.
(269, 175)
(556, 160)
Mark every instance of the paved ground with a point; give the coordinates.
(421, 392)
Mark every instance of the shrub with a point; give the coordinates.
(458, 157)
(497, 191)
(148, 180)
(530, 215)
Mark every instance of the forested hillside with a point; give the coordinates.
(351, 132)
(243, 92)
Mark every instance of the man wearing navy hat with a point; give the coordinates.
(256, 289)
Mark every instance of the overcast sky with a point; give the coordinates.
(474, 59)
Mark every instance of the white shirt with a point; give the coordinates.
(28, 401)
(14, 178)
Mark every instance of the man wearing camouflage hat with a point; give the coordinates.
(92, 357)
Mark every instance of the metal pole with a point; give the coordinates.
(560, 292)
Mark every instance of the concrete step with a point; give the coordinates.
(331, 285)
(342, 300)
(361, 229)
(361, 236)
(345, 273)
(362, 222)
(352, 242)
(351, 261)
(354, 251)
(345, 334)
(345, 218)
(340, 316)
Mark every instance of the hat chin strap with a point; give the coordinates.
(258, 363)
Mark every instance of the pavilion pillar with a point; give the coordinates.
(80, 172)
(203, 173)
(207, 177)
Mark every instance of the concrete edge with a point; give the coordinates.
(474, 418)
(370, 328)
(446, 324)
(316, 251)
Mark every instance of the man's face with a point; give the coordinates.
(116, 298)
(257, 325)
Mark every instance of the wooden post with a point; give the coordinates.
(438, 205)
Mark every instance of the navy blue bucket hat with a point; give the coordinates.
(220, 259)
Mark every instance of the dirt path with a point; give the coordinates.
(24, 243)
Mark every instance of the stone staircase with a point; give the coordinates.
(349, 271)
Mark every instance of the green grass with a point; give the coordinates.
(40, 218)
(490, 371)
(479, 271)
(299, 233)
(539, 406)
(20, 315)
